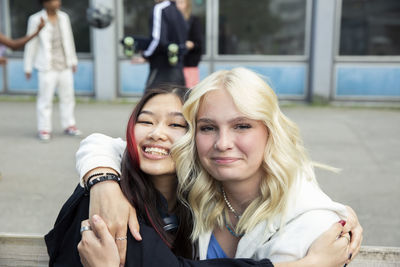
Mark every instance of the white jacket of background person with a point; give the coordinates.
(310, 211)
(38, 51)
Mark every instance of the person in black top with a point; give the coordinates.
(194, 43)
(167, 27)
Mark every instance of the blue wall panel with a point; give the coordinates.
(284, 79)
(83, 78)
(16, 78)
(367, 80)
(132, 77)
(204, 70)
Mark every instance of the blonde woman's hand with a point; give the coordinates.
(97, 247)
(108, 201)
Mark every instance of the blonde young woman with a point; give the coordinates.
(249, 181)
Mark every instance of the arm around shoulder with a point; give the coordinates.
(99, 150)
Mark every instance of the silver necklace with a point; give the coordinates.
(229, 205)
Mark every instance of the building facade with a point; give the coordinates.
(336, 50)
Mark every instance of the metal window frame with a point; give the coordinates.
(355, 59)
(260, 58)
(362, 60)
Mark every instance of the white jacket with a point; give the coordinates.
(99, 150)
(310, 211)
(37, 52)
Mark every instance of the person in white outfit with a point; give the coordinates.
(53, 54)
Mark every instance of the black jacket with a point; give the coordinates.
(63, 239)
(193, 56)
(167, 26)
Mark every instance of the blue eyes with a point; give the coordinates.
(209, 128)
(243, 126)
(206, 128)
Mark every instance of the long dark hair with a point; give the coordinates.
(140, 190)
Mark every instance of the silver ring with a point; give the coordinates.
(121, 238)
(85, 228)
(348, 238)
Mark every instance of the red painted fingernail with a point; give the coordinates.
(342, 222)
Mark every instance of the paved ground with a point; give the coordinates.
(36, 178)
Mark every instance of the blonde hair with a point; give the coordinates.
(285, 159)
(188, 10)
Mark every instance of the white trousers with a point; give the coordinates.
(48, 82)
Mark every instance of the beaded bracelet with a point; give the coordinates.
(94, 175)
(103, 178)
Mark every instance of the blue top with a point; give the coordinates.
(214, 249)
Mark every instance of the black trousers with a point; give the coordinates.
(160, 76)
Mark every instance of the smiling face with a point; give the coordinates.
(230, 146)
(159, 124)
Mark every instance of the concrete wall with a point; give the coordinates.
(20, 250)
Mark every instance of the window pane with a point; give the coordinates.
(77, 13)
(262, 27)
(136, 17)
(22, 9)
(370, 27)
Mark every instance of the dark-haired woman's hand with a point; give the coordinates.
(331, 249)
(108, 201)
(353, 226)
